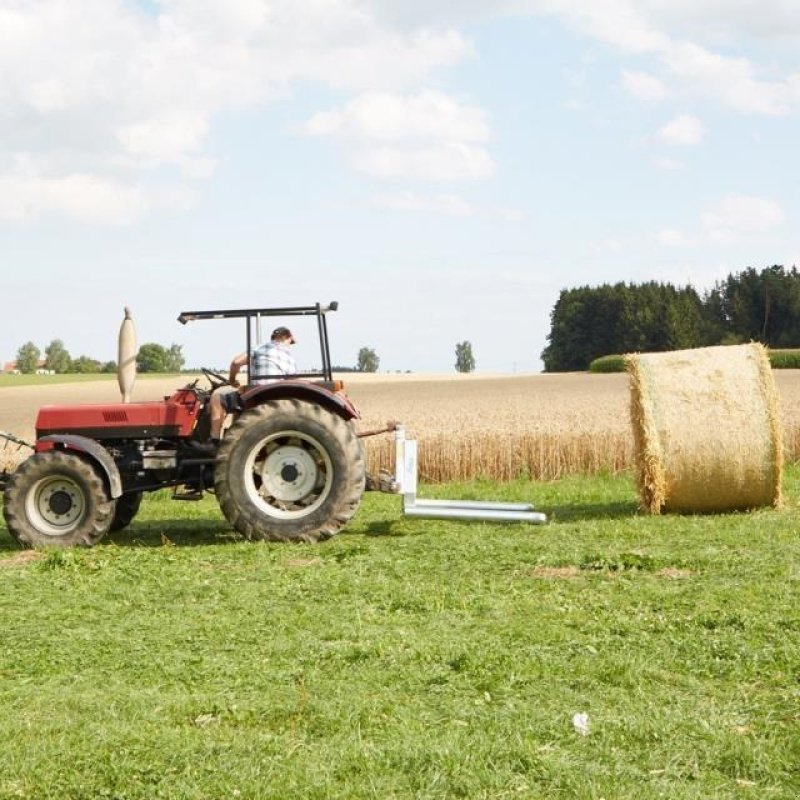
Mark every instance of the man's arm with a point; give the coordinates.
(236, 365)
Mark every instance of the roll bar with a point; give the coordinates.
(253, 317)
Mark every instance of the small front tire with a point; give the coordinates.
(57, 499)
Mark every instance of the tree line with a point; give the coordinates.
(152, 357)
(751, 305)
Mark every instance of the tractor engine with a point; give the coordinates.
(173, 418)
(152, 444)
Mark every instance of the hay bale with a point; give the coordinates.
(706, 429)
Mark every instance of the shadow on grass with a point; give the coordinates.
(200, 532)
(556, 515)
(580, 512)
(7, 544)
(386, 527)
(181, 533)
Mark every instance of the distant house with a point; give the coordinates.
(10, 368)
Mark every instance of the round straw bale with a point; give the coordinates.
(706, 429)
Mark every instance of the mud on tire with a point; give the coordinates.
(57, 499)
(290, 471)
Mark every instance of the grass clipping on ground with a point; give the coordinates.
(706, 429)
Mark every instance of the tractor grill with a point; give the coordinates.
(115, 416)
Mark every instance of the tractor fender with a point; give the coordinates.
(334, 401)
(89, 447)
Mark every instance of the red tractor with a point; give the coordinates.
(290, 467)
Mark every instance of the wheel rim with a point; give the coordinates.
(288, 475)
(55, 505)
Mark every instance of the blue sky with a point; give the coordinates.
(441, 169)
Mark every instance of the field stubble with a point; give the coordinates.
(468, 426)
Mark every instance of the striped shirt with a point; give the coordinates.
(272, 358)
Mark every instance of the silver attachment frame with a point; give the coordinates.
(413, 506)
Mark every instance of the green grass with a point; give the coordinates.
(612, 363)
(785, 359)
(410, 658)
(48, 380)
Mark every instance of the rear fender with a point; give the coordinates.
(337, 402)
(96, 452)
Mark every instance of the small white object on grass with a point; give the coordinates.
(580, 722)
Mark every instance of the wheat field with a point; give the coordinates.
(500, 427)
(503, 427)
(468, 426)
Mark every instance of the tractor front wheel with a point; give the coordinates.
(56, 499)
(127, 508)
(289, 471)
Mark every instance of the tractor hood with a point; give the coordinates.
(174, 416)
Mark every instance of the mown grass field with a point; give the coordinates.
(410, 658)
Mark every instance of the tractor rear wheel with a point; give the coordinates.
(127, 508)
(289, 471)
(56, 499)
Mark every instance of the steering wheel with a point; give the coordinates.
(215, 378)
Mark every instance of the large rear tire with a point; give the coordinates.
(289, 471)
(56, 499)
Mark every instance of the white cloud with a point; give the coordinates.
(681, 35)
(610, 244)
(82, 198)
(166, 138)
(619, 23)
(429, 136)
(380, 116)
(735, 219)
(101, 90)
(738, 217)
(683, 130)
(447, 161)
(644, 86)
(732, 81)
(672, 238)
(446, 204)
(669, 164)
(724, 19)
(711, 19)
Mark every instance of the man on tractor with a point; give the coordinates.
(269, 359)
